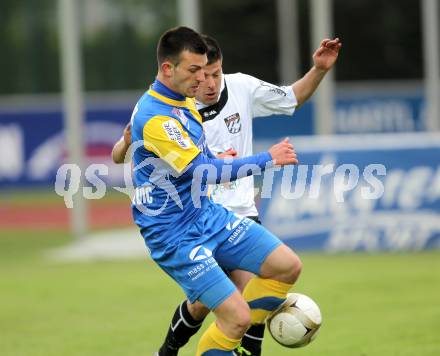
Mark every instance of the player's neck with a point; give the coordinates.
(165, 87)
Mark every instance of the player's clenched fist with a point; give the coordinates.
(283, 153)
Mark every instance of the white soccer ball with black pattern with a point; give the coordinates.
(296, 322)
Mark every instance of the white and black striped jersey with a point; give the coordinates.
(228, 124)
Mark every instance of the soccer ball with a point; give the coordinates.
(296, 322)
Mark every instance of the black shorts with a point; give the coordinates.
(255, 218)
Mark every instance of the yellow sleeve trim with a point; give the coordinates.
(165, 137)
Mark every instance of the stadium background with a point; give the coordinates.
(371, 265)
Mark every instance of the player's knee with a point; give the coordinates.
(295, 268)
(234, 316)
(291, 269)
(242, 320)
(237, 320)
(283, 265)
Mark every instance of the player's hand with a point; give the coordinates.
(229, 153)
(326, 55)
(127, 134)
(283, 153)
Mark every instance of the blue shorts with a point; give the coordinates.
(218, 239)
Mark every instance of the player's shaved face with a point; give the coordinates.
(189, 73)
(209, 90)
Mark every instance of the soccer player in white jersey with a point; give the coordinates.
(228, 103)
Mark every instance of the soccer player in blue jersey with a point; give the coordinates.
(189, 236)
(221, 100)
(228, 104)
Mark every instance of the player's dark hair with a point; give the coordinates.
(176, 40)
(214, 52)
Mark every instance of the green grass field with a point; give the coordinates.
(385, 305)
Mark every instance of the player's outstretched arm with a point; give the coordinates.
(324, 59)
(229, 170)
(120, 148)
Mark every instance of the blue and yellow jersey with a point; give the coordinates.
(167, 134)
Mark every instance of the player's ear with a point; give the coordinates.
(167, 68)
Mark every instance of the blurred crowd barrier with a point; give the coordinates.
(377, 187)
(358, 193)
(32, 140)
(33, 144)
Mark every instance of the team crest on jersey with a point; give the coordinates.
(233, 123)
